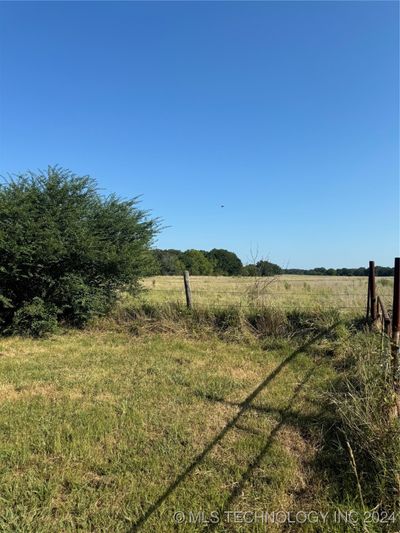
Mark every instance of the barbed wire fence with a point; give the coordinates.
(377, 300)
(275, 291)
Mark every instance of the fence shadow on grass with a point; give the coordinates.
(285, 415)
(329, 461)
(243, 408)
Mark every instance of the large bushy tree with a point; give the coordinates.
(168, 262)
(65, 250)
(225, 263)
(266, 268)
(197, 262)
(262, 268)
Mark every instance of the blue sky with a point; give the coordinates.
(285, 113)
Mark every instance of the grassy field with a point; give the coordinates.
(118, 427)
(288, 292)
(105, 432)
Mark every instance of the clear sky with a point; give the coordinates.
(285, 113)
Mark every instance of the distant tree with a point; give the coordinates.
(66, 250)
(265, 268)
(168, 262)
(384, 271)
(296, 271)
(197, 263)
(321, 271)
(250, 270)
(225, 263)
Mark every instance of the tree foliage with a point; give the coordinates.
(226, 263)
(197, 262)
(66, 250)
(168, 262)
(265, 268)
(220, 262)
(359, 271)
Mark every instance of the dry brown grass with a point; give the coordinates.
(285, 292)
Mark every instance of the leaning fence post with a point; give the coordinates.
(188, 292)
(372, 290)
(396, 333)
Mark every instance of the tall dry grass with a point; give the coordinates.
(363, 400)
(229, 322)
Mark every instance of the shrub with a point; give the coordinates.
(35, 319)
(78, 301)
(65, 245)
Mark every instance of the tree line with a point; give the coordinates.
(220, 262)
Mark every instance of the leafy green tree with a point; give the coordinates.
(250, 270)
(169, 262)
(197, 263)
(265, 268)
(225, 263)
(65, 250)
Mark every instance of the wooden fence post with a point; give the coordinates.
(396, 302)
(396, 333)
(369, 297)
(385, 318)
(372, 290)
(188, 292)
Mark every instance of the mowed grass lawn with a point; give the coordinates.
(103, 431)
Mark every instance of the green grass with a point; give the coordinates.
(96, 427)
(103, 430)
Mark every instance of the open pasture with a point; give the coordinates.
(286, 292)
